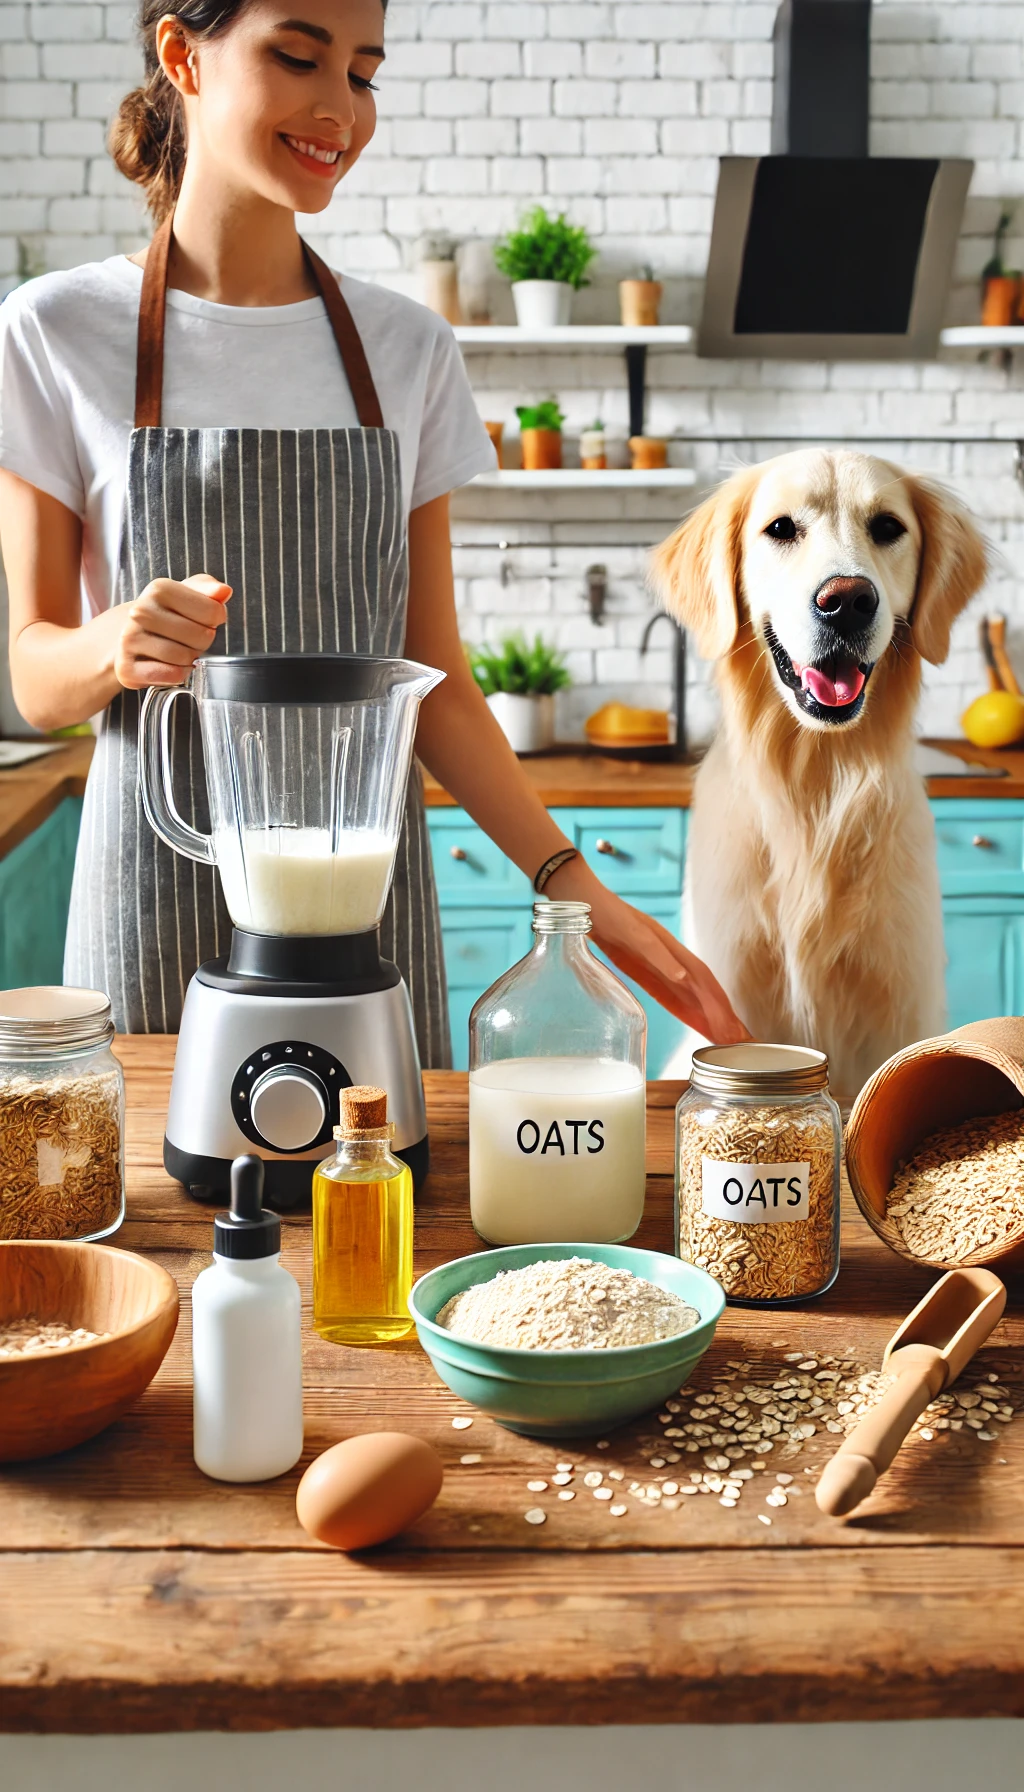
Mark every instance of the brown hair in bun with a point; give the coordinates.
(147, 137)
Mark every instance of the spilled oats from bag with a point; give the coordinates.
(961, 1195)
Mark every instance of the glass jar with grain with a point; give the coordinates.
(758, 1141)
(61, 1115)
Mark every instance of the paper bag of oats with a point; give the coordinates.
(935, 1148)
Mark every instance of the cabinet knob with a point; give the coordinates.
(982, 840)
(605, 846)
(458, 852)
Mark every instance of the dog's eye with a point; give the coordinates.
(885, 528)
(782, 529)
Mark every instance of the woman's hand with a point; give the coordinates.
(166, 628)
(641, 948)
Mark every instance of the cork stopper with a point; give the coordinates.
(363, 1114)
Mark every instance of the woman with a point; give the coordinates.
(261, 383)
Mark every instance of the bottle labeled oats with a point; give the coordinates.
(557, 1098)
(758, 1141)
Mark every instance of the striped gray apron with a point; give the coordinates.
(306, 526)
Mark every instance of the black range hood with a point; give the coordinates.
(820, 251)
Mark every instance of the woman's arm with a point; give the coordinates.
(64, 670)
(460, 742)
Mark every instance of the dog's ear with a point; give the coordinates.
(696, 572)
(952, 567)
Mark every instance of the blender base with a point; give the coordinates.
(286, 1185)
(270, 1035)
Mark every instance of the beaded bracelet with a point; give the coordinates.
(550, 866)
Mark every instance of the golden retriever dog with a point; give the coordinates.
(818, 582)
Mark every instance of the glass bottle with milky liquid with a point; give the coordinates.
(362, 1229)
(557, 1098)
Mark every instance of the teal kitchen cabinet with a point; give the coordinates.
(35, 892)
(486, 902)
(640, 853)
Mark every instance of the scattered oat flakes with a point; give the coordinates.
(535, 1516)
(467, 1460)
(461, 1424)
(536, 1486)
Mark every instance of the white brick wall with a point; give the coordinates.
(617, 112)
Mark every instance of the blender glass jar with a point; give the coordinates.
(61, 1115)
(758, 1140)
(557, 1099)
(307, 762)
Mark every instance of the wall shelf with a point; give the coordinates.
(983, 336)
(582, 479)
(514, 336)
(633, 342)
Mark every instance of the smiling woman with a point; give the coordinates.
(148, 138)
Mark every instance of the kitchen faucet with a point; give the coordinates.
(679, 749)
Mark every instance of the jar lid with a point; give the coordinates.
(53, 1018)
(759, 1069)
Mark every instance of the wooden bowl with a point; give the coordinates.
(56, 1399)
(975, 1070)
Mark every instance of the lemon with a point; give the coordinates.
(994, 720)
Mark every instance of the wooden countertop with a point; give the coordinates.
(563, 780)
(29, 793)
(137, 1595)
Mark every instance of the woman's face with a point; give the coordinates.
(284, 98)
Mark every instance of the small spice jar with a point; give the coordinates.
(758, 1141)
(61, 1115)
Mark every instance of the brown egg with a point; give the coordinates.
(368, 1488)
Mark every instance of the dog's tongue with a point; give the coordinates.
(845, 687)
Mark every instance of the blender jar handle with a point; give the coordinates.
(156, 780)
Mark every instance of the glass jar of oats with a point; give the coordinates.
(758, 1141)
(61, 1115)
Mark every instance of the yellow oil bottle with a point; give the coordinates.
(362, 1229)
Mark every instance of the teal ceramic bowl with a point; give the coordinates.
(565, 1393)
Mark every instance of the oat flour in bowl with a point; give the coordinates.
(570, 1304)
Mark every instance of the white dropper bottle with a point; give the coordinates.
(246, 1343)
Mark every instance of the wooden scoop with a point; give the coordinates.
(932, 1347)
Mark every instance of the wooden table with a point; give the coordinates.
(137, 1595)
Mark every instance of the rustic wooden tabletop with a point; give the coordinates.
(137, 1595)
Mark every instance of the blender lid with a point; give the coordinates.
(306, 677)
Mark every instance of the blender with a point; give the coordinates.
(307, 762)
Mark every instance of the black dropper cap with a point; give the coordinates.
(247, 1231)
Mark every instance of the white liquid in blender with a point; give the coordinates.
(556, 1150)
(291, 882)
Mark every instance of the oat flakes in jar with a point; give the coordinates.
(61, 1115)
(758, 1141)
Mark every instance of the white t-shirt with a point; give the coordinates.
(67, 388)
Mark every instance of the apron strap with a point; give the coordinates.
(149, 366)
(350, 347)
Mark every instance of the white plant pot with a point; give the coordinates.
(540, 304)
(528, 723)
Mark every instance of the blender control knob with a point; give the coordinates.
(287, 1107)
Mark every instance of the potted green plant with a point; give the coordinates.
(540, 432)
(519, 680)
(546, 259)
(439, 275)
(640, 299)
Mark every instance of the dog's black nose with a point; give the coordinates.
(848, 603)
